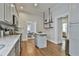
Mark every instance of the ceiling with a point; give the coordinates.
(31, 9)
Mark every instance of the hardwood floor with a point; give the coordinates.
(29, 49)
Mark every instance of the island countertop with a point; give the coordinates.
(9, 42)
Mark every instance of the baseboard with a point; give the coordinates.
(59, 43)
(68, 55)
(53, 41)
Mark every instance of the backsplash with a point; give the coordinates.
(5, 29)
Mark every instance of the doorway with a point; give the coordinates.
(31, 28)
(63, 32)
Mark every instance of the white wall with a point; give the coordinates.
(57, 10)
(74, 30)
(24, 18)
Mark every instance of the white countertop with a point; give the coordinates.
(41, 34)
(9, 42)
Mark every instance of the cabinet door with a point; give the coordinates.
(8, 16)
(17, 48)
(16, 16)
(12, 52)
(12, 12)
(1, 11)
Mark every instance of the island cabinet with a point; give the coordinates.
(41, 40)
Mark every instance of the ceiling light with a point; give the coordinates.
(35, 4)
(12, 5)
(21, 7)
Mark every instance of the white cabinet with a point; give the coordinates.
(16, 16)
(17, 48)
(41, 40)
(12, 52)
(9, 11)
(1, 11)
(14, 13)
(8, 16)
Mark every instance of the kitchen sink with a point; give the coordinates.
(2, 46)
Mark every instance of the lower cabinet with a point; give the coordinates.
(12, 52)
(15, 50)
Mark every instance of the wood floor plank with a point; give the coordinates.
(29, 49)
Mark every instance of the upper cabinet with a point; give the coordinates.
(8, 15)
(1, 12)
(7, 12)
(15, 15)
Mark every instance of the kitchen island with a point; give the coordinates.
(11, 45)
(41, 40)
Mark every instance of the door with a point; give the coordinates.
(62, 34)
(31, 28)
(74, 39)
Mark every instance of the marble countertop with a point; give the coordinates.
(41, 34)
(9, 42)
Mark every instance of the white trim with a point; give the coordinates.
(53, 41)
(56, 19)
(62, 15)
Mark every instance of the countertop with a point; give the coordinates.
(9, 42)
(41, 34)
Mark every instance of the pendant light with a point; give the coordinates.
(35, 4)
(48, 22)
(50, 16)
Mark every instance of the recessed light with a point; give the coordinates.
(21, 7)
(12, 5)
(35, 4)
